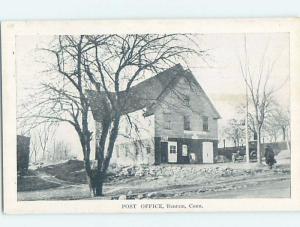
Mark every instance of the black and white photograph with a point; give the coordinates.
(165, 115)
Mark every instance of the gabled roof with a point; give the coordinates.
(205, 96)
(145, 94)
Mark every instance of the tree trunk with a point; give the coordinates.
(98, 180)
(288, 140)
(99, 189)
(99, 154)
(87, 166)
(96, 183)
(283, 133)
(99, 185)
(97, 176)
(259, 159)
(112, 140)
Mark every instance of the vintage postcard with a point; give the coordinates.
(129, 116)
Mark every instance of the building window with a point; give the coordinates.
(205, 123)
(148, 149)
(186, 123)
(172, 149)
(167, 120)
(136, 148)
(184, 150)
(126, 150)
(186, 100)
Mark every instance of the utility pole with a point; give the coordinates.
(246, 125)
(247, 104)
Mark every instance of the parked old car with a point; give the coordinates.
(240, 155)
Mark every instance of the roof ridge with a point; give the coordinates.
(147, 93)
(173, 68)
(205, 95)
(176, 79)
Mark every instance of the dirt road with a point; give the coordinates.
(275, 189)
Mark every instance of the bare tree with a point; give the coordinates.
(60, 150)
(61, 98)
(271, 130)
(33, 149)
(125, 62)
(235, 131)
(45, 134)
(278, 125)
(111, 65)
(261, 91)
(241, 109)
(281, 121)
(40, 139)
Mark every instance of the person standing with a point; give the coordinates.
(270, 156)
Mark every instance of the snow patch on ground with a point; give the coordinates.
(284, 154)
(283, 158)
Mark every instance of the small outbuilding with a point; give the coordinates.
(23, 150)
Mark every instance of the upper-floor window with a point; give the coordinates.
(186, 100)
(186, 123)
(205, 123)
(167, 120)
(126, 150)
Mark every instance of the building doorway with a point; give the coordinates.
(208, 152)
(172, 152)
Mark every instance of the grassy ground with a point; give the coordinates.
(33, 182)
(53, 176)
(71, 171)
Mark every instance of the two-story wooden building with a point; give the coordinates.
(169, 119)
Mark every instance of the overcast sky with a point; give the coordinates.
(221, 78)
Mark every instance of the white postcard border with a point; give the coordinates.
(11, 29)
